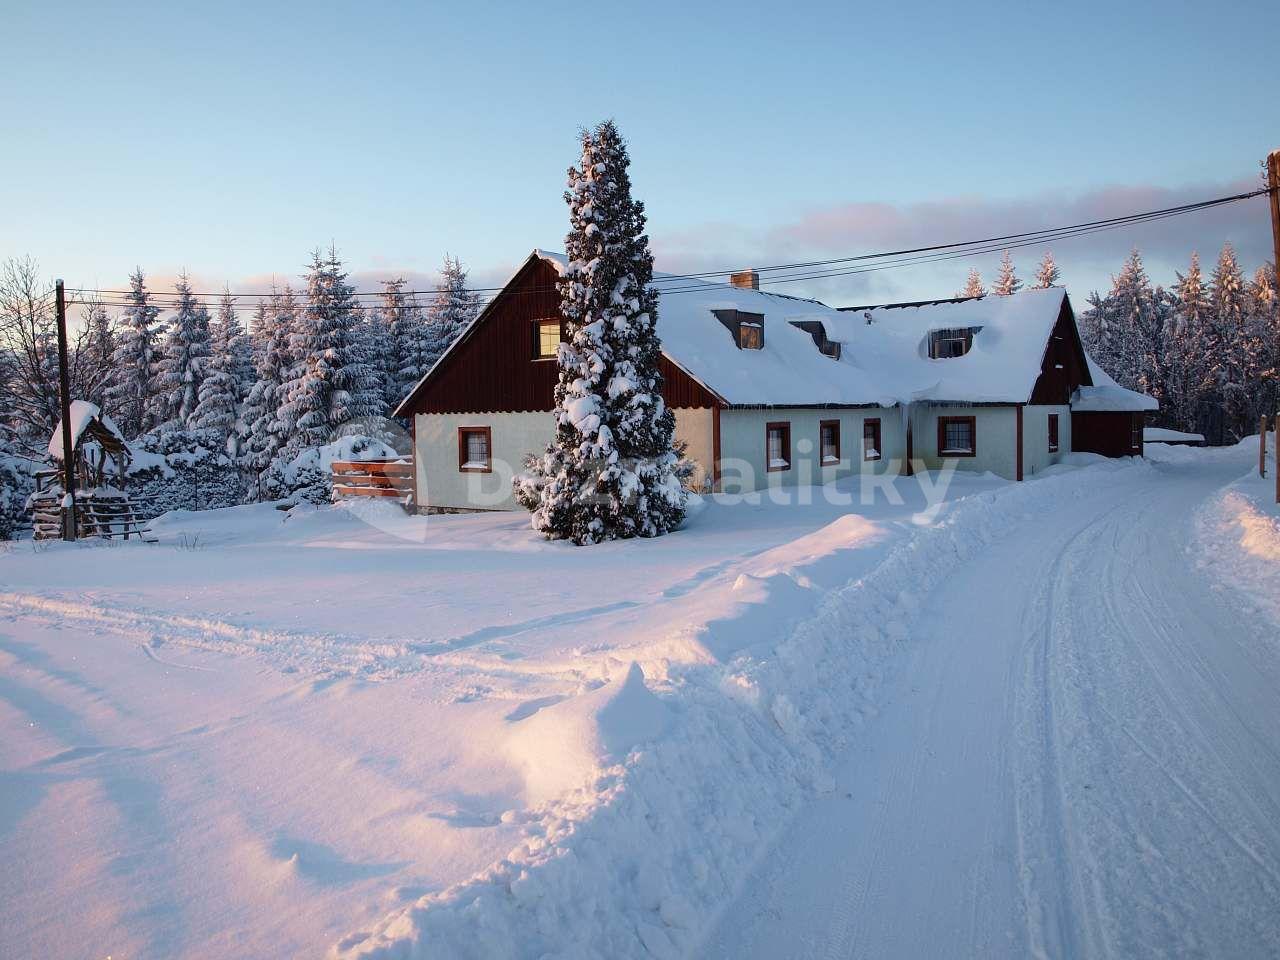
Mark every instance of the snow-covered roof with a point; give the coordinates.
(84, 415)
(1165, 435)
(885, 361)
(1107, 396)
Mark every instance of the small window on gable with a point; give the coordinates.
(475, 450)
(1053, 433)
(829, 435)
(777, 446)
(953, 342)
(546, 339)
(871, 439)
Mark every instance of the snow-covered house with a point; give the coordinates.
(770, 389)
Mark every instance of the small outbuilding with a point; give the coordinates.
(101, 458)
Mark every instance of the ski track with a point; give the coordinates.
(1081, 761)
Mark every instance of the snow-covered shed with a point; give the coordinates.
(770, 389)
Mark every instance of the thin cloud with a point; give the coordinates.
(1086, 262)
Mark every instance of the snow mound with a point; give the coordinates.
(566, 745)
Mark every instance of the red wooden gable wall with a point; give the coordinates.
(1064, 367)
(493, 371)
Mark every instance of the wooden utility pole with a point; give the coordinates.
(64, 389)
(1262, 447)
(1273, 184)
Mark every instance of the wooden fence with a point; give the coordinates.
(374, 478)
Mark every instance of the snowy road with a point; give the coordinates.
(1082, 759)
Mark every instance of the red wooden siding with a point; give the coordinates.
(1064, 351)
(493, 370)
(1110, 434)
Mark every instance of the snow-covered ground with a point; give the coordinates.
(1041, 719)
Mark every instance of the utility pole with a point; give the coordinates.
(1273, 184)
(64, 389)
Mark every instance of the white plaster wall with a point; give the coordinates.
(440, 482)
(742, 446)
(695, 427)
(996, 432)
(1035, 437)
(515, 436)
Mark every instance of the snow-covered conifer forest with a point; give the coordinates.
(235, 391)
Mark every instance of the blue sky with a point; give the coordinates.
(230, 139)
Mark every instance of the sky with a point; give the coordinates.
(229, 140)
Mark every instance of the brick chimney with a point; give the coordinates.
(746, 279)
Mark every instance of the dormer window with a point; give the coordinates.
(953, 342)
(816, 329)
(747, 328)
(546, 339)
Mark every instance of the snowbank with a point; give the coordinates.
(1238, 536)
(639, 861)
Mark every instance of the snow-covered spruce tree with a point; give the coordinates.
(1241, 349)
(610, 471)
(185, 354)
(266, 431)
(1007, 282)
(1264, 318)
(223, 385)
(453, 307)
(1190, 341)
(333, 382)
(973, 285)
(402, 338)
(99, 347)
(134, 392)
(1047, 273)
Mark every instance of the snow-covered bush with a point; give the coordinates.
(16, 485)
(183, 470)
(309, 475)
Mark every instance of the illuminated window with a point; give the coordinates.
(548, 339)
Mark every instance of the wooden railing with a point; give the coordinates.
(374, 478)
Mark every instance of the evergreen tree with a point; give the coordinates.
(1241, 351)
(99, 349)
(1264, 313)
(1190, 342)
(134, 392)
(186, 352)
(224, 383)
(1123, 332)
(973, 286)
(453, 308)
(1007, 282)
(333, 383)
(610, 471)
(266, 431)
(1047, 273)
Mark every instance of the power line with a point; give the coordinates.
(783, 273)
